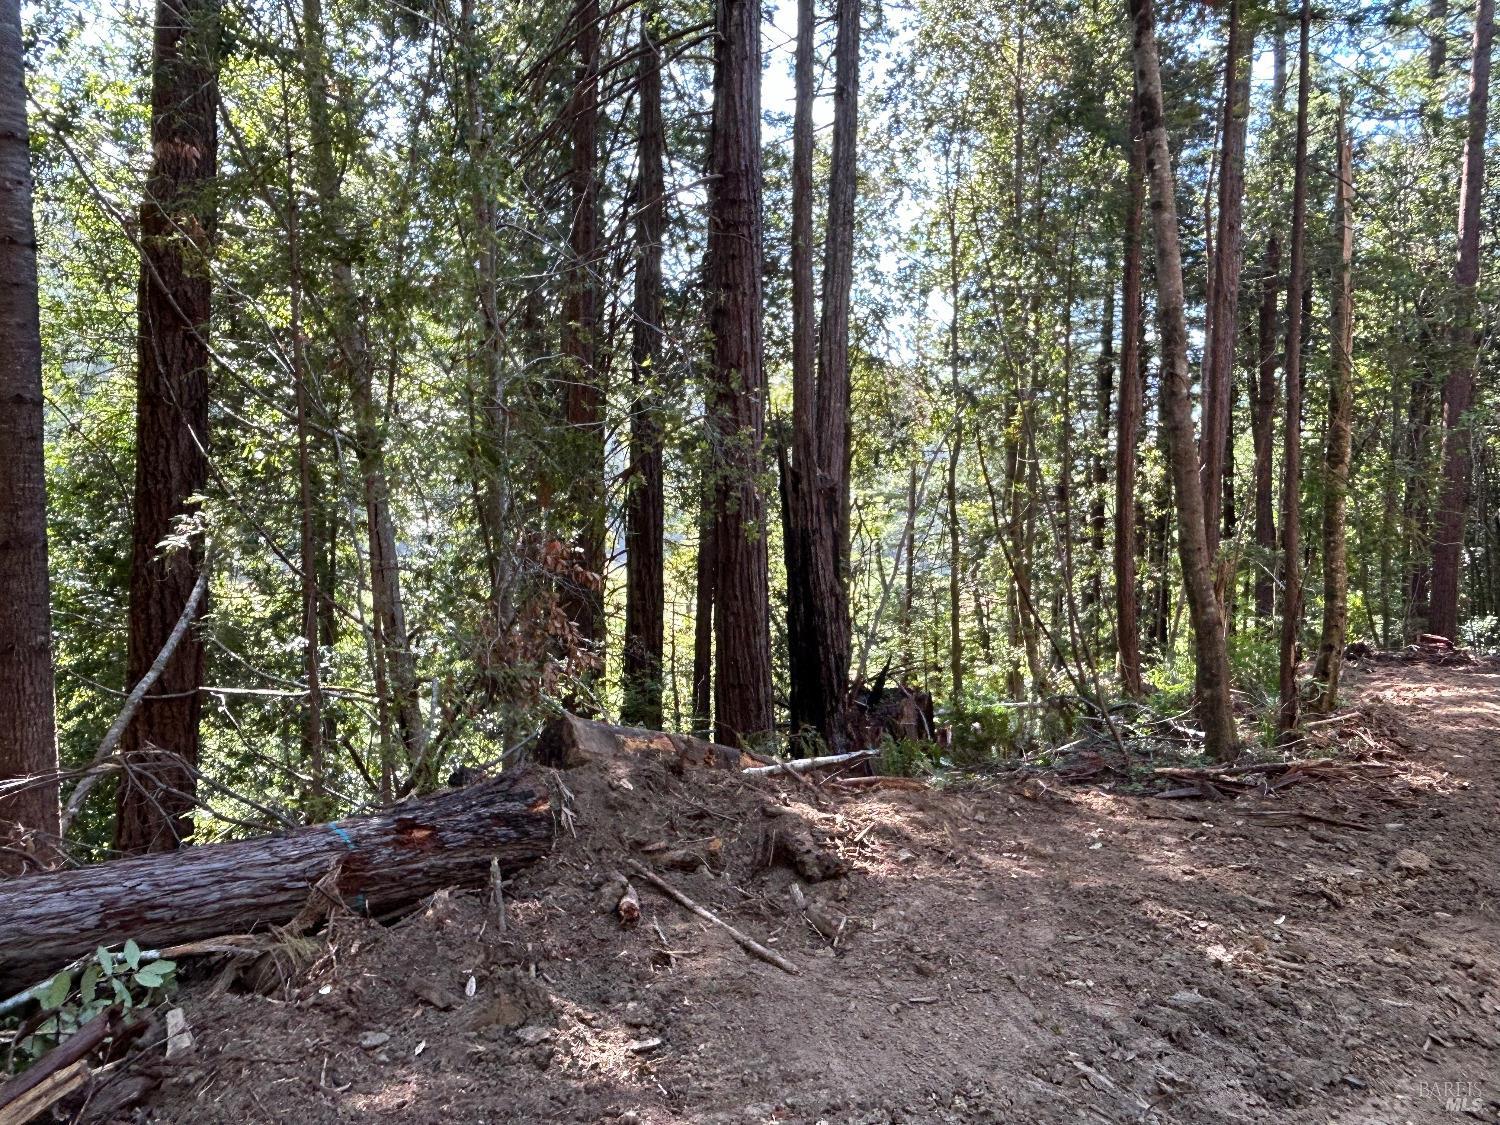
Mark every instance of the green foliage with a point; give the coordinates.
(909, 758)
(127, 979)
(1255, 661)
(985, 734)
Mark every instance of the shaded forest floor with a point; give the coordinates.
(1009, 954)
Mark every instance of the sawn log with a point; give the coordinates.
(568, 741)
(385, 861)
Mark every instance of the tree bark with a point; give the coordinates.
(313, 746)
(569, 741)
(641, 669)
(155, 798)
(495, 498)
(955, 449)
(1223, 317)
(1263, 427)
(703, 610)
(1458, 385)
(1215, 711)
(799, 479)
(584, 397)
(28, 739)
(742, 655)
(1104, 391)
(384, 862)
(1128, 424)
(1290, 702)
(1336, 455)
(818, 614)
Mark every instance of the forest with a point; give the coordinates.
(482, 428)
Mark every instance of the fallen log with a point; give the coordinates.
(384, 862)
(569, 741)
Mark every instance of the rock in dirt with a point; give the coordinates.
(517, 1001)
(1412, 862)
(179, 1034)
(439, 997)
(636, 1014)
(531, 1034)
(372, 1040)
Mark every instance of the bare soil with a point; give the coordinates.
(1009, 953)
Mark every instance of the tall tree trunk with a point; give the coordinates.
(1336, 455)
(641, 672)
(1416, 499)
(955, 448)
(1458, 385)
(156, 796)
(818, 614)
(1291, 477)
(909, 551)
(28, 740)
(584, 397)
(315, 806)
(1223, 316)
(1278, 58)
(1104, 391)
(831, 542)
(800, 476)
(1437, 38)
(1262, 428)
(742, 655)
(1127, 437)
(491, 456)
(395, 664)
(1215, 712)
(703, 610)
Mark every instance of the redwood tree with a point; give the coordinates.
(1215, 711)
(1263, 430)
(1337, 450)
(817, 525)
(742, 649)
(1458, 385)
(1290, 703)
(641, 669)
(1128, 424)
(1224, 287)
(177, 218)
(28, 743)
(584, 396)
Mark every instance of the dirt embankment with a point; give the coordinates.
(989, 956)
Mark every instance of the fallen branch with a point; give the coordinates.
(807, 765)
(745, 941)
(881, 782)
(133, 701)
(1309, 765)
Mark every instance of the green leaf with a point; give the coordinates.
(122, 994)
(153, 975)
(106, 961)
(55, 992)
(88, 983)
(132, 954)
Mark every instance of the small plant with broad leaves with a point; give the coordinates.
(128, 979)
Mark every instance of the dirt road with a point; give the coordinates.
(1080, 956)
